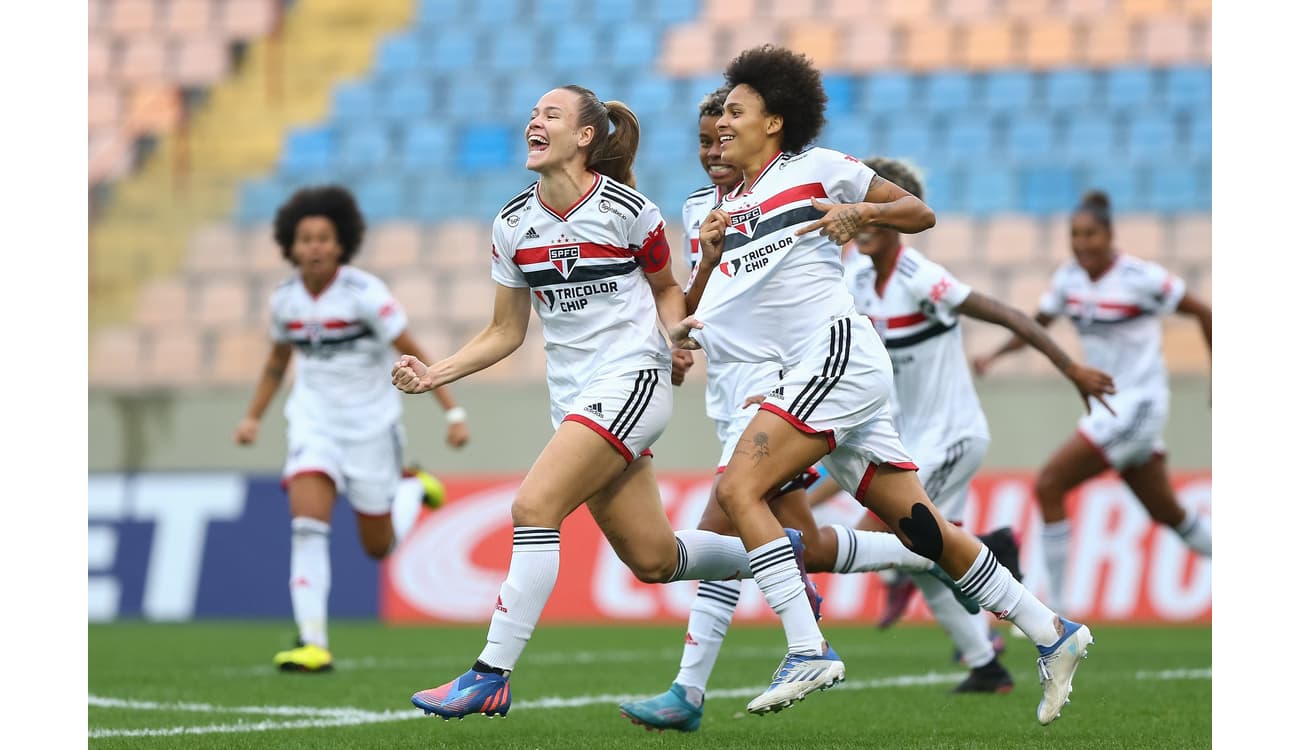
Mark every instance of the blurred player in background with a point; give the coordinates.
(344, 432)
(681, 707)
(914, 304)
(584, 249)
(770, 256)
(1115, 302)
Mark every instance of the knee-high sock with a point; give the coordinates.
(777, 574)
(711, 613)
(1195, 530)
(1056, 555)
(992, 585)
(706, 556)
(861, 551)
(309, 578)
(534, 566)
(969, 632)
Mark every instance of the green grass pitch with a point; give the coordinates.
(210, 685)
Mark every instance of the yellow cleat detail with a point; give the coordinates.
(306, 658)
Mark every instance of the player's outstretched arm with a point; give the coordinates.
(277, 362)
(494, 343)
(1194, 307)
(1015, 343)
(885, 205)
(457, 430)
(1088, 381)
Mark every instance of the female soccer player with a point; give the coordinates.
(1115, 302)
(588, 253)
(770, 256)
(345, 432)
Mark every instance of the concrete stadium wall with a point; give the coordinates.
(161, 431)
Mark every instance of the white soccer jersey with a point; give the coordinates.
(585, 267)
(697, 206)
(343, 384)
(934, 399)
(1118, 317)
(774, 295)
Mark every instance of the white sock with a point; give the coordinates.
(711, 612)
(706, 556)
(407, 502)
(1195, 530)
(309, 578)
(1056, 555)
(991, 584)
(864, 551)
(969, 632)
(534, 566)
(777, 575)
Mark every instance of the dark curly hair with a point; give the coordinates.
(790, 86)
(335, 203)
(897, 172)
(711, 104)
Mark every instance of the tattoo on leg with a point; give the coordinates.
(760, 450)
(922, 529)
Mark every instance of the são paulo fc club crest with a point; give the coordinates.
(745, 221)
(565, 258)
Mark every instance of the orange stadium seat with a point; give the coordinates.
(950, 243)
(175, 357)
(1057, 239)
(144, 60)
(264, 256)
(1036, 11)
(470, 299)
(910, 11)
(848, 10)
(239, 355)
(1167, 41)
(104, 106)
(132, 17)
(1185, 352)
(1050, 43)
(1089, 9)
(1025, 288)
(793, 10)
(689, 49)
(162, 300)
(1108, 43)
(1199, 10)
(970, 10)
(99, 54)
(729, 11)
(246, 19)
(1141, 9)
(115, 356)
(1141, 235)
(188, 17)
(417, 295)
(1191, 237)
(215, 248)
(223, 301)
(929, 46)
(867, 47)
(819, 40)
(200, 61)
(1012, 240)
(461, 246)
(392, 246)
(987, 44)
(738, 39)
(153, 108)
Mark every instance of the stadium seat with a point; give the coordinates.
(668, 12)
(132, 17)
(1143, 9)
(990, 187)
(819, 40)
(669, 144)
(987, 44)
(487, 15)
(968, 135)
(257, 200)
(1035, 11)
(463, 244)
(222, 301)
(942, 192)
(717, 12)
(1173, 188)
(175, 358)
(115, 355)
(620, 12)
(392, 246)
(417, 295)
(555, 12)
(1151, 136)
(449, 49)
(1107, 42)
(650, 95)
(307, 150)
(1129, 87)
(162, 300)
(1049, 44)
(435, 14)
(103, 106)
(1085, 9)
(99, 55)
(215, 248)
(1069, 89)
(930, 44)
(1089, 136)
(888, 92)
(1192, 237)
(1166, 41)
(948, 91)
(868, 47)
(1046, 190)
(144, 60)
(852, 135)
(1009, 91)
(633, 46)
(353, 101)
(1201, 138)
(1142, 235)
(200, 61)
(187, 17)
(363, 148)
(238, 355)
(689, 50)
(908, 140)
(840, 92)
(425, 147)
(514, 45)
(1122, 184)
(1188, 88)
(435, 200)
(399, 55)
(969, 10)
(915, 11)
(1031, 138)
(1011, 239)
(559, 48)
(405, 99)
(248, 19)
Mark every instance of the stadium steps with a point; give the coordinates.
(192, 176)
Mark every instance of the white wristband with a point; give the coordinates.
(455, 415)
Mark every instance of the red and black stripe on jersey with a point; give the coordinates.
(619, 194)
(764, 227)
(553, 276)
(1083, 313)
(322, 336)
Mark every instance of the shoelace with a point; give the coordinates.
(1045, 674)
(786, 665)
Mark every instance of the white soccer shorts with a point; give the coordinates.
(365, 471)
(630, 411)
(1134, 436)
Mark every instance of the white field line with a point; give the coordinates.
(318, 718)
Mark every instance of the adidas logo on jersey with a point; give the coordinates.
(594, 409)
(531, 234)
(777, 392)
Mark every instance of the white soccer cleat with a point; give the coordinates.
(799, 675)
(1056, 666)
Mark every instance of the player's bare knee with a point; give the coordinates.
(377, 549)
(1049, 489)
(532, 510)
(922, 532)
(653, 568)
(733, 496)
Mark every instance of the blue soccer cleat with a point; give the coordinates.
(1056, 666)
(486, 693)
(799, 675)
(668, 710)
(814, 598)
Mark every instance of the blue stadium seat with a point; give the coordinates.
(1047, 190)
(405, 99)
(669, 143)
(1152, 136)
(852, 135)
(380, 198)
(353, 101)
(623, 12)
(651, 95)
(559, 11)
(1175, 188)
(967, 136)
(485, 147)
(949, 91)
(633, 46)
(840, 94)
(1188, 88)
(431, 201)
(522, 92)
(512, 46)
(888, 92)
(673, 11)
(697, 87)
(399, 54)
(435, 14)
(1122, 184)
(425, 147)
(1031, 138)
(258, 200)
(1009, 91)
(363, 147)
(493, 189)
(559, 48)
(489, 15)
(451, 48)
(1129, 87)
(1201, 137)
(909, 140)
(479, 96)
(1089, 136)
(942, 189)
(1068, 89)
(990, 188)
(307, 150)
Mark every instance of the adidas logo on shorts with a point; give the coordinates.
(594, 409)
(531, 234)
(777, 392)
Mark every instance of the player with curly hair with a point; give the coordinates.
(344, 432)
(775, 291)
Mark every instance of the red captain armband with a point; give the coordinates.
(654, 252)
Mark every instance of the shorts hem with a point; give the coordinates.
(595, 427)
(799, 424)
